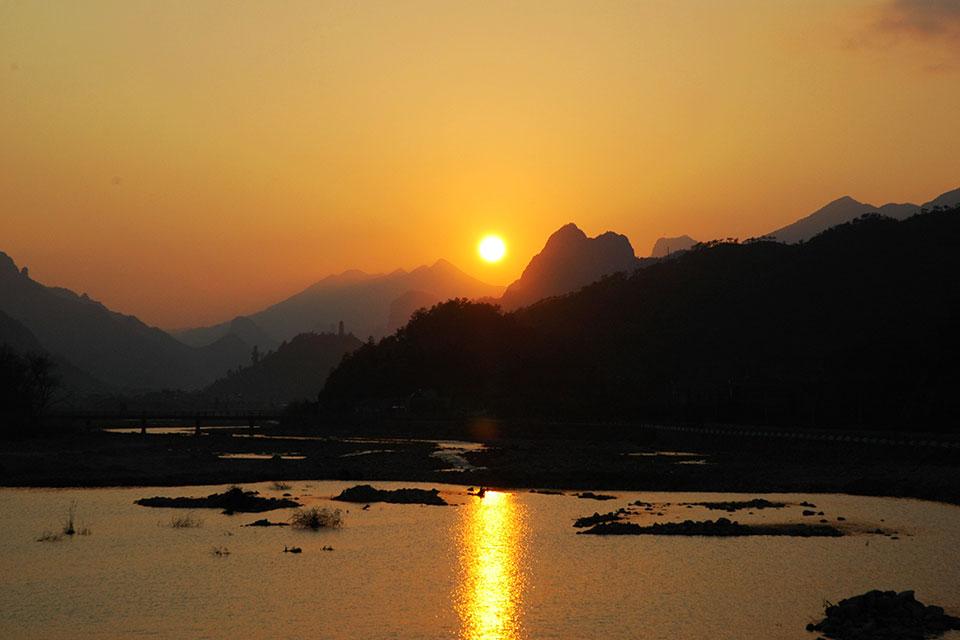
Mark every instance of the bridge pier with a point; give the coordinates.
(196, 427)
(143, 426)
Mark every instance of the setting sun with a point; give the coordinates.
(492, 248)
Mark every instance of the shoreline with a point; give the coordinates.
(677, 462)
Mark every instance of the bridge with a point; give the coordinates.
(149, 419)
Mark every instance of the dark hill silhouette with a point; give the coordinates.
(663, 247)
(858, 326)
(118, 349)
(72, 381)
(846, 209)
(948, 200)
(241, 327)
(360, 300)
(16, 336)
(297, 370)
(569, 260)
(251, 334)
(458, 347)
(402, 308)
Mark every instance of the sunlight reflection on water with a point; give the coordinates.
(490, 592)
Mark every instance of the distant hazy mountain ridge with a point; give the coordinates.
(362, 301)
(403, 307)
(297, 370)
(845, 209)
(666, 246)
(118, 349)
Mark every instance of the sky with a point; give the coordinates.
(188, 161)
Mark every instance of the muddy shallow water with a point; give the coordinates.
(509, 565)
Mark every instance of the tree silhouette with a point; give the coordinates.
(27, 386)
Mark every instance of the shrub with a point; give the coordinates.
(68, 525)
(317, 518)
(187, 521)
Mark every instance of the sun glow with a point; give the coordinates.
(492, 248)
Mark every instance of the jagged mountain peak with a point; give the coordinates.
(569, 260)
(566, 233)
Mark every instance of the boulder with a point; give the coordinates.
(884, 615)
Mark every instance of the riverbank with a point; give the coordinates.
(565, 460)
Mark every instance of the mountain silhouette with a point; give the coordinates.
(568, 261)
(251, 334)
(362, 301)
(16, 336)
(845, 209)
(404, 306)
(948, 200)
(858, 326)
(297, 370)
(663, 247)
(73, 380)
(118, 349)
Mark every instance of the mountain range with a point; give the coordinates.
(840, 211)
(367, 304)
(104, 347)
(845, 209)
(828, 332)
(117, 349)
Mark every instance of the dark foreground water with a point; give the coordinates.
(507, 566)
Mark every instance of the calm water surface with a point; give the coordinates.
(507, 566)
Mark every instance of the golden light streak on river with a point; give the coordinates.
(490, 592)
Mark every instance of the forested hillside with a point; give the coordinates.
(857, 327)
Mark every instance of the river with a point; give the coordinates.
(506, 566)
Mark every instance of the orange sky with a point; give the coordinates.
(189, 161)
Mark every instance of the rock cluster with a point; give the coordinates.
(737, 505)
(721, 527)
(598, 518)
(263, 522)
(233, 500)
(884, 615)
(590, 495)
(366, 493)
